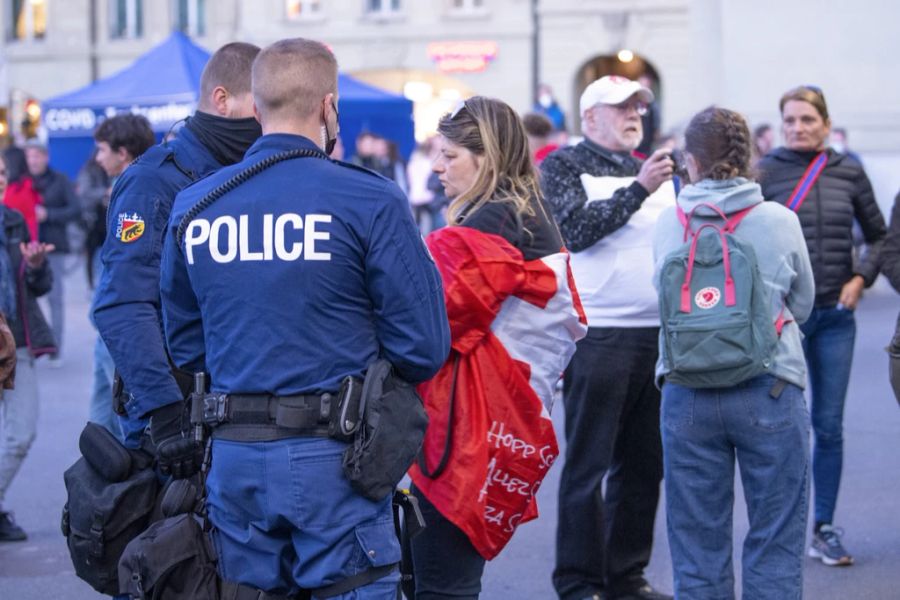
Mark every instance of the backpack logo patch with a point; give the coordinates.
(129, 227)
(707, 297)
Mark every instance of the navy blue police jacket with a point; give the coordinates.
(126, 305)
(300, 276)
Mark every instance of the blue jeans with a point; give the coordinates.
(828, 344)
(101, 408)
(18, 420)
(703, 432)
(286, 518)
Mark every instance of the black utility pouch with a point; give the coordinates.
(173, 559)
(346, 413)
(390, 435)
(111, 498)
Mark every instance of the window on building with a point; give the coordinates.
(383, 7)
(126, 19)
(300, 10)
(467, 7)
(28, 19)
(190, 17)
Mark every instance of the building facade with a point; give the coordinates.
(735, 53)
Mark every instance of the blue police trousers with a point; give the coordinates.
(286, 518)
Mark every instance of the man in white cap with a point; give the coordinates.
(606, 203)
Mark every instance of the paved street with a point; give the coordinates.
(868, 508)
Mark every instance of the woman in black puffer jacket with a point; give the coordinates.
(841, 194)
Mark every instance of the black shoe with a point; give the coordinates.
(645, 592)
(9, 531)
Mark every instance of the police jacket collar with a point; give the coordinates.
(192, 156)
(278, 142)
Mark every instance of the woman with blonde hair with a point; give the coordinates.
(514, 320)
(828, 191)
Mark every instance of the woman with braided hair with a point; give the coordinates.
(761, 421)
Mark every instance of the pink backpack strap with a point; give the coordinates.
(730, 297)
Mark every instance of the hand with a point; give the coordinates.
(41, 213)
(656, 170)
(852, 292)
(178, 454)
(35, 253)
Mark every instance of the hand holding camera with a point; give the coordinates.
(656, 170)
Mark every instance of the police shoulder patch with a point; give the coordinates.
(129, 227)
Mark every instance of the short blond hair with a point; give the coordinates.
(292, 76)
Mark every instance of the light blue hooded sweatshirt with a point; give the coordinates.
(775, 234)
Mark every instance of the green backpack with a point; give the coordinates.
(715, 315)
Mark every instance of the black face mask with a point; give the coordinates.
(226, 139)
(330, 142)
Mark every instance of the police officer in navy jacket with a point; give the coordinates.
(302, 273)
(126, 303)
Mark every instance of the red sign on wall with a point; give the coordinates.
(462, 57)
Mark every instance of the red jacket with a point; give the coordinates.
(21, 196)
(514, 324)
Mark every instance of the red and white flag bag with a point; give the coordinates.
(490, 441)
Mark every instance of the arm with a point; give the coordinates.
(583, 224)
(405, 288)
(802, 295)
(180, 308)
(126, 303)
(870, 219)
(890, 251)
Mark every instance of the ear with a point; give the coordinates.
(219, 98)
(124, 155)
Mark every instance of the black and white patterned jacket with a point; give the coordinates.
(583, 224)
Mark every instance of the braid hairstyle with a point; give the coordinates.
(720, 142)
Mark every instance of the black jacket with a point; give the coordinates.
(841, 194)
(583, 224)
(62, 208)
(890, 262)
(29, 327)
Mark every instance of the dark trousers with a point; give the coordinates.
(445, 563)
(603, 541)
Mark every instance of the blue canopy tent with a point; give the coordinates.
(163, 85)
(363, 107)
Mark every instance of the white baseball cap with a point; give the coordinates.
(612, 89)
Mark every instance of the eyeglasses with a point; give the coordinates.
(639, 107)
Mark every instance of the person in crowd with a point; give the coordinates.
(539, 130)
(705, 431)
(420, 197)
(650, 121)
(120, 140)
(59, 208)
(606, 203)
(396, 166)
(490, 283)
(763, 141)
(838, 142)
(438, 206)
(358, 286)
(548, 106)
(828, 191)
(92, 186)
(24, 275)
(20, 194)
(126, 303)
(890, 257)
